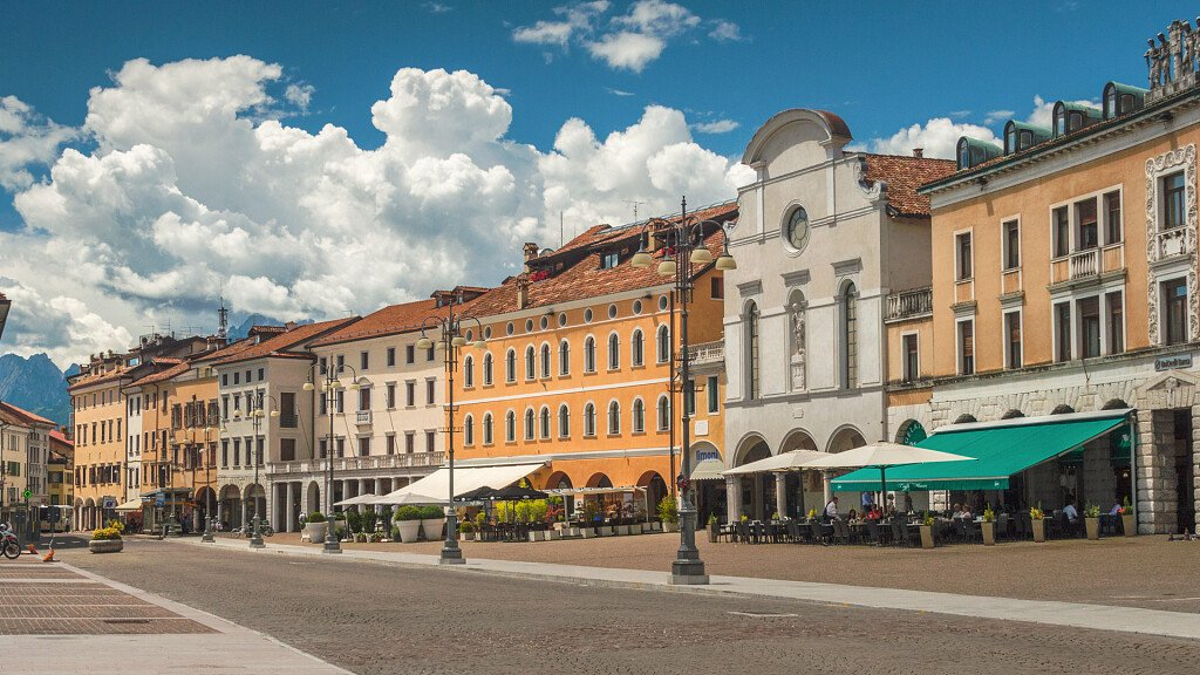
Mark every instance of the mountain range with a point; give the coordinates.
(37, 385)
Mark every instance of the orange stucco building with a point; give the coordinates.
(577, 368)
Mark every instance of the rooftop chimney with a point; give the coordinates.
(523, 290)
(531, 252)
(918, 152)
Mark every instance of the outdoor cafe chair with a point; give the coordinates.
(899, 532)
(817, 532)
(873, 535)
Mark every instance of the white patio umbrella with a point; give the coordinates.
(365, 498)
(407, 499)
(880, 456)
(784, 461)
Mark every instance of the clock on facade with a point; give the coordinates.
(797, 228)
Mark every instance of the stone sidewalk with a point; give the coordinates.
(56, 618)
(1077, 615)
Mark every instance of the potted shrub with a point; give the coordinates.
(668, 513)
(1128, 522)
(989, 526)
(433, 519)
(1091, 520)
(315, 527)
(467, 530)
(927, 531)
(353, 522)
(713, 528)
(408, 523)
(106, 540)
(1037, 519)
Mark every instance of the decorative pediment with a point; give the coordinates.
(1171, 389)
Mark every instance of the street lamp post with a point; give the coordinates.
(256, 418)
(451, 340)
(209, 515)
(686, 249)
(329, 387)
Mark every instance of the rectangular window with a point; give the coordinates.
(609, 260)
(962, 247)
(430, 438)
(718, 288)
(224, 453)
(341, 401)
(410, 353)
(340, 447)
(911, 358)
(1061, 231)
(237, 452)
(287, 449)
(237, 378)
(1089, 327)
(966, 347)
(341, 362)
(323, 366)
(322, 448)
(1175, 311)
(1116, 322)
(410, 394)
(429, 354)
(364, 398)
(1089, 230)
(391, 395)
(1112, 218)
(1012, 340)
(714, 394)
(1062, 331)
(409, 442)
(364, 360)
(364, 446)
(324, 404)
(1174, 209)
(689, 398)
(1012, 245)
(430, 391)
(262, 374)
(391, 356)
(391, 444)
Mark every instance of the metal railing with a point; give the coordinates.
(910, 304)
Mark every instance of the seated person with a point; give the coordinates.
(1071, 514)
(874, 513)
(1115, 510)
(853, 515)
(955, 509)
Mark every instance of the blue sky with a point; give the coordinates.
(686, 92)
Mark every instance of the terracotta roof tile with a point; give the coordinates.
(903, 175)
(98, 378)
(279, 344)
(392, 320)
(582, 277)
(17, 415)
(164, 375)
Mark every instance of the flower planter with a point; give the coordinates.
(1039, 530)
(409, 529)
(106, 545)
(432, 527)
(467, 536)
(551, 535)
(670, 527)
(1128, 525)
(573, 531)
(606, 531)
(314, 532)
(1093, 528)
(656, 526)
(926, 536)
(647, 528)
(989, 534)
(589, 532)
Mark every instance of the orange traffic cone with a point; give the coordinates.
(49, 557)
(33, 549)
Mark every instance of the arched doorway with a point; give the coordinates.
(206, 505)
(803, 490)
(656, 490)
(910, 433)
(255, 503)
(561, 481)
(756, 490)
(846, 438)
(89, 514)
(709, 494)
(229, 508)
(606, 501)
(312, 499)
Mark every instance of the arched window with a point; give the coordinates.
(849, 336)
(529, 421)
(614, 352)
(530, 363)
(564, 358)
(637, 349)
(546, 360)
(510, 366)
(614, 418)
(639, 416)
(487, 369)
(469, 430)
(662, 340)
(589, 420)
(544, 417)
(564, 421)
(510, 426)
(1010, 138)
(487, 429)
(469, 372)
(753, 363)
(664, 413)
(589, 355)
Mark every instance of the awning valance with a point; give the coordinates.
(584, 491)
(1000, 449)
(436, 486)
(131, 505)
(709, 469)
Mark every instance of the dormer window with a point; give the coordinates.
(1071, 117)
(972, 152)
(609, 260)
(1122, 99)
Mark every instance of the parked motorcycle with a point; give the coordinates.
(9, 545)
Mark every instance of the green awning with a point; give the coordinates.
(1001, 449)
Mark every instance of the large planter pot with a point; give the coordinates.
(588, 532)
(467, 536)
(1128, 525)
(1039, 530)
(551, 535)
(432, 528)
(314, 532)
(106, 545)
(989, 534)
(655, 526)
(926, 536)
(409, 529)
(670, 527)
(572, 531)
(1093, 528)
(607, 531)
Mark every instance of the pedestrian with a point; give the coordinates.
(831, 509)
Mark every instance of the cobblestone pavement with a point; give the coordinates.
(1143, 571)
(373, 618)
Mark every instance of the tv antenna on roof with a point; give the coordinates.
(635, 207)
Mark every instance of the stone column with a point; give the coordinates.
(733, 498)
(379, 491)
(826, 486)
(757, 497)
(245, 504)
(781, 494)
(1156, 471)
(289, 498)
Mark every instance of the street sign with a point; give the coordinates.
(160, 500)
(27, 494)
(108, 503)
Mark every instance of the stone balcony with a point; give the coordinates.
(912, 304)
(707, 353)
(416, 460)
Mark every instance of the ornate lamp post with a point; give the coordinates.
(451, 340)
(686, 249)
(209, 515)
(330, 384)
(256, 418)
